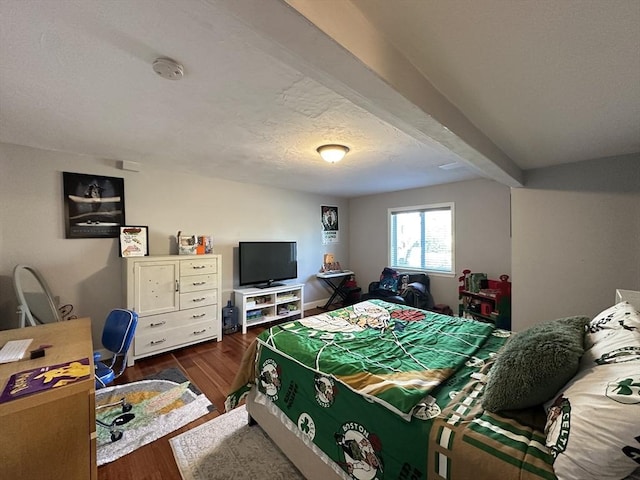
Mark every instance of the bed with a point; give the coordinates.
(379, 390)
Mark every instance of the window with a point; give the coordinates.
(422, 238)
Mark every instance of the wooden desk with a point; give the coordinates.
(50, 434)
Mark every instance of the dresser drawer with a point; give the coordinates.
(160, 323)
(173, 337)
(197, 283)
(198, 299)
(197, 266)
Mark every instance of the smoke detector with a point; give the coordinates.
(167, 68)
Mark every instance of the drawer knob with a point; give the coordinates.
(195, 284)
(156, 342)
(199, 267)
(198, 332)
(200, 315)
(201, 299)
(159, 324)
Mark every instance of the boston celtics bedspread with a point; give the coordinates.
(388, 391)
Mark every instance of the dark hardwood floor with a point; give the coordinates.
(212, 367)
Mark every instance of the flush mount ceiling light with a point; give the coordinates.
(332, 153)
(167, 68)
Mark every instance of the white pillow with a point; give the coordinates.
(620, 346)
(621, 316)
(593, 425)
(635, 475)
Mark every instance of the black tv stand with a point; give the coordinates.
(270, 284)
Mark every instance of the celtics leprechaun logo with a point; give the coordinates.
(558, 425)
(269, 379)
(360, 451)
(326, 390)
(427, 410)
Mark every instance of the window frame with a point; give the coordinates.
(422, 208)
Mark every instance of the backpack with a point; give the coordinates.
(389, 280)
(417, 297)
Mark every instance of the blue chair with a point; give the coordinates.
(117, 335)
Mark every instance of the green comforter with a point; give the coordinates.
(384, 355)
(421, 377)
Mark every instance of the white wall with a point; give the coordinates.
(87, 272)
(482, 241)
(576, 238)
(576, 231)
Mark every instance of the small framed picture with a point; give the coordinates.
(134, 241)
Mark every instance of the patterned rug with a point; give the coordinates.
(161, 403)
(228, 448)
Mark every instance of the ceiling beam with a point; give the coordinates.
(436, 117)
(347, 54)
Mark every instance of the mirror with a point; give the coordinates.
(35, 302)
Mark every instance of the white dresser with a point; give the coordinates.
(177, 298)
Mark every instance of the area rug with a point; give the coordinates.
(227, 448)
(161, 403)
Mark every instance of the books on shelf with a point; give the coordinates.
(254, 315)
(475, 282)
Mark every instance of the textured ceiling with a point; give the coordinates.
(549, 81)
(435, 83)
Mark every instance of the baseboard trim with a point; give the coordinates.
(316, 304)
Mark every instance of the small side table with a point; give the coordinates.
(336, 282)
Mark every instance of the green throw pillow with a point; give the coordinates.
(535, 364)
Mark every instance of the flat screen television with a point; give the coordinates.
(262, 264)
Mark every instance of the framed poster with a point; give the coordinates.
(329, 219)
(134, 241)
(93, 205)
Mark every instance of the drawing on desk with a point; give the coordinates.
(44, 378)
